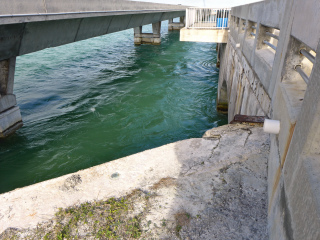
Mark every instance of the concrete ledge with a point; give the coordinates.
(9, 118)
(175, 26)
(7, 101)
(204, 35)
(11, 130)
(215, 184)
(147, 40)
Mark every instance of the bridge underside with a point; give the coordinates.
(22, 38)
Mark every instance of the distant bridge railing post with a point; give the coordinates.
(207, 18)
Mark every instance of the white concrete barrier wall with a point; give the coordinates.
(259, 78)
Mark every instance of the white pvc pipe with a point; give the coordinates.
(271, 126)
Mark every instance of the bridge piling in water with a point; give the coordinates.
(153, 38)
(10, 117)
(176, 25)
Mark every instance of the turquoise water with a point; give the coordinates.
(94, 101)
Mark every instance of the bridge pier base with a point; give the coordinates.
(10, 116)
(148, 38)
(176, 25)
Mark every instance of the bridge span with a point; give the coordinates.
(32, 25)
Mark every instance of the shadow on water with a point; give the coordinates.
(103, 99)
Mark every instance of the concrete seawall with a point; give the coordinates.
(269, 67)
(222, 191)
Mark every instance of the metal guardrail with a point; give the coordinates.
(298, 67)
(308, 55)
(207, 18)
(304, 76)
(271, 35)
(253, 28)
(270, 45)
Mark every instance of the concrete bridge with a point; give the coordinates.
(32, 25)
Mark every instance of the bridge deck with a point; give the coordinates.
(33, 25)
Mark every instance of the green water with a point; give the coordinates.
(94, 101)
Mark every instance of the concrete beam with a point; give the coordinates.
(204, 35)
(46, 10)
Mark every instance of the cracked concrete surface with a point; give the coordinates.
(213, 187)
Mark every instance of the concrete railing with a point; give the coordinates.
(207, 18)
(269, 67)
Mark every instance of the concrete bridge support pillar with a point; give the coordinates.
(148, 38)
(10, 117)
(222, 96)
(176, 25)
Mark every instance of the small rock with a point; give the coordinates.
(115, 175)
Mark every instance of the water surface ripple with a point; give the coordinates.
(97, 100)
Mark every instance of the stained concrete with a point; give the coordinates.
(246, 94)
(218, 181)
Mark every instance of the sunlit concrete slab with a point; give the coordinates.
(204, 35)
(211, 183)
